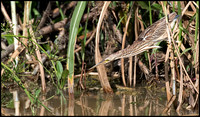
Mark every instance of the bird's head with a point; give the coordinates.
(173, 17)
(106, 60)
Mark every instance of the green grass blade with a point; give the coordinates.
(59, 71)
(74, 25)
(180, 23)
(196, 29)
(173, 6)
(197, 23)
(150, 17)
(84, 41)
(18, 81)
(60, 10)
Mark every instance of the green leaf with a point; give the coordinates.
(156, 6)
(74, 25)
(47, 47)
(10, 104)
(60, 10)
(10, 39)
(120, 21)
(143, 4)
(59, 69)
(64, 78)
(36, 13)
(80, 30)
(65, 74)
(37, 92)
(185, 51)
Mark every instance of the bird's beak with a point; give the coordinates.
(176, 16)
(174, 20)
(101, 62)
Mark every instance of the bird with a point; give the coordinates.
(148, 39)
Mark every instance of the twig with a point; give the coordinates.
(40, 60)
(7, 51)
(195, 4)
(136, 37)
(123, 44)
(171, 54)
(166, 68)
(87, 36)
(101, 68)
(80, 80)
(88, 73)
(130, 70)
(185, 8)
(15, 29)
(3, 10)
(45, 14)
(169, 104)
(181, 63)
(51, 28)
(91, 37)
(14, 55)
(3, 45)
(180, 90)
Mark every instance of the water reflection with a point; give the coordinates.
(144, 103)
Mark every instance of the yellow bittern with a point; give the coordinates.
(147, 40)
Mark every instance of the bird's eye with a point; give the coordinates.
(107, 60)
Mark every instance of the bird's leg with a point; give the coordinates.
(148, 54)
(156, 65)
(84, 74)
(80, 81)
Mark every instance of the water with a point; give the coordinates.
(138, 102)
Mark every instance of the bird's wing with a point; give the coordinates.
(150, 30)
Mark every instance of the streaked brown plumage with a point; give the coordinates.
(146, 40)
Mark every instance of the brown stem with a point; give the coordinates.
(45, 15)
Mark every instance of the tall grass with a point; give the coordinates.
(74, 25)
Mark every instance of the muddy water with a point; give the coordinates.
(138, 102)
